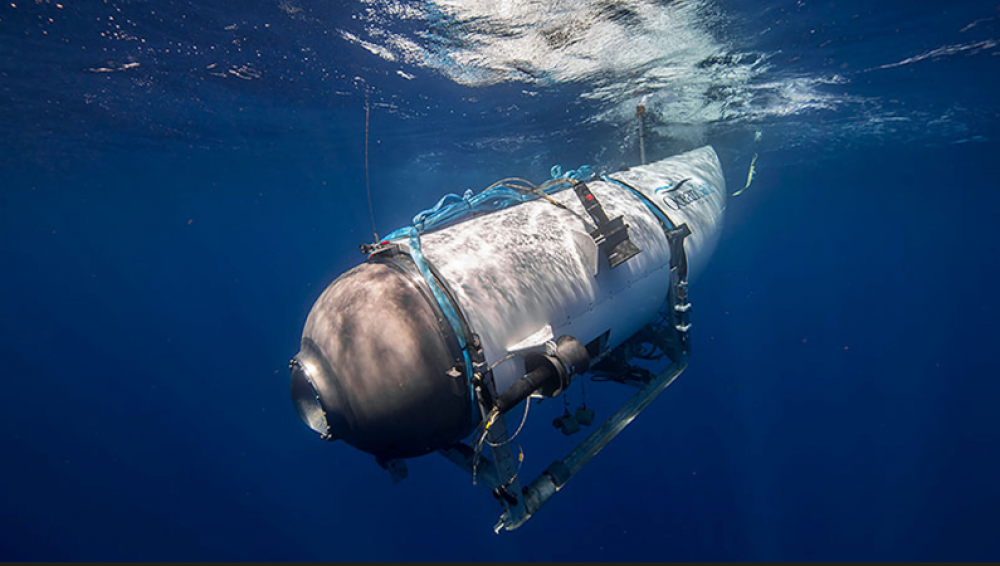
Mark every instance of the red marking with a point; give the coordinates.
(590, 197)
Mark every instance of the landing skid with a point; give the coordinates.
(519, 507)
(669, 337)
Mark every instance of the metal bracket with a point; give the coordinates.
(611, 235)
(504, 483)
(678, 304)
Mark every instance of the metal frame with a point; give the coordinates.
(531, 498)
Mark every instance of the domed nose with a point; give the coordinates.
(378, 364)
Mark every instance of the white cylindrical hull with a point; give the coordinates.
(533, 271)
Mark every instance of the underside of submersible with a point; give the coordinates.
(491, 298)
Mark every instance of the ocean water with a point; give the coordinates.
(180, 182)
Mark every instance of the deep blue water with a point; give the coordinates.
(180, 183)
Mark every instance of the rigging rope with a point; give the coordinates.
(368, 186)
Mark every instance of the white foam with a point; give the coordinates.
(623, 53)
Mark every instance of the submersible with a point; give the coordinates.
(489, 299)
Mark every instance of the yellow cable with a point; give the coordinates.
(750, 175)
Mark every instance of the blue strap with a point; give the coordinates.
(667, 224)
(443, 301)
(452, 208)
